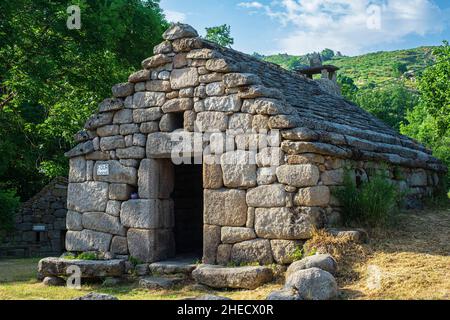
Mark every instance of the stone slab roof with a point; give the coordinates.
(333, 120)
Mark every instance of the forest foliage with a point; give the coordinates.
(52, 78)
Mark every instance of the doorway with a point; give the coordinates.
(188, 208)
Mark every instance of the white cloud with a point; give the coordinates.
(253, 5)
(175, 16)
(350, 26)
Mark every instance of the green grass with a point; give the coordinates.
(18, 281)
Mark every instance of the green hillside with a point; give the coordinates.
(372, 68)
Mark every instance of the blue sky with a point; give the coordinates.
(302, 26)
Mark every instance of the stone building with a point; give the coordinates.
(267, 148)
(40, 225)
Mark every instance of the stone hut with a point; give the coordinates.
(213, 151)
(40, 225)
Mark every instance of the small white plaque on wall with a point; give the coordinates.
(103, 170)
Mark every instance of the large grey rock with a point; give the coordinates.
(215, 89)
(131, 153)
(267, 196)
(210, 121)
(77, 171)
(221, 65)
(73, 221)
(283, 223)
(99, 221)
(156, 61)
(264, 106)
(87, 197)
(158, 85)
(150, 245)
(122, 90)
(139, 76)
(184, 78)
(251, 251)
(156, 179)
(54, 282)
(211, 297)
(225, 207)
(284, 294)
(118, 173)
(241, 121)
(235, 278)
(333, 177)
(109, 130)
(300, 134)
(322, 261)
(295, 147)
(211, 242)
(112, 143)
(110, 104)
(312, 284)
(283, 250)
(141, 214)
(303, 175)
(119, 245)
(175, 266)
(178, 105)
(158, 283)
(212, 172)
(123, 116)
(232, 80)
(178, 31)
(162, 144)
(99, 120)
(81, 149)
(146, 115)
(230, 103)
(236, 234)
(313, 197)
(239, 169)
(49, 267)
(87, 240)
(120, 191)
(148, 99)
(94, 296)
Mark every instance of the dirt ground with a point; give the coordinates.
(410, 260)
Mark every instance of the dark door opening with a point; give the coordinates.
(188, 203)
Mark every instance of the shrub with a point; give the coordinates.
(372, 204)
(9, 203)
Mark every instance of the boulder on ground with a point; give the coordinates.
(208, 297)
(54, 281)
(322, 261)
(235, 278)
(53, 267)
(157, 283)
(173, 267)
(284, 294)
(312, 284)
(96, 296)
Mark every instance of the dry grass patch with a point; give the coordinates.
(407, 261)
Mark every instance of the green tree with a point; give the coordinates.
(390, 103)
(399, 68)
(327, 54)
(348, 86)
(220, 35)
(52, 78)
(429, 122)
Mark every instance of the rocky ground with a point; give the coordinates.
(408, 261)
